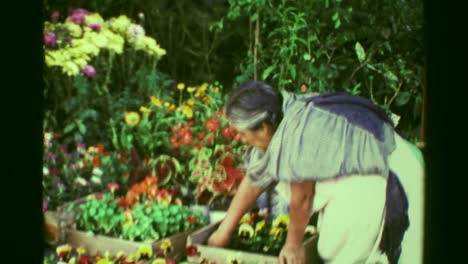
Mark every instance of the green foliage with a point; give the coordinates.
(148, 221)
(368, 48)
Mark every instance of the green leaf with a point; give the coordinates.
(306, 56)
(292, 70)
(81, 127)
(361, 54)
(403, 98)
(267, 72)
(337, 23)
(69, 128)
(92, 211)
(335, 16)
(391, 76)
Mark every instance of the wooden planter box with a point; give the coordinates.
(220, 255)
(99, 244)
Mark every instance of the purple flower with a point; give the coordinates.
(78, 15)
(63, 148)
(51, 156)
(81, 145)
(89, 71)
(49, 39)
(95, 26)
(55, 15)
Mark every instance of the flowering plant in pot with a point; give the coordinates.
(260, 233)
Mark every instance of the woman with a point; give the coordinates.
(334, 154)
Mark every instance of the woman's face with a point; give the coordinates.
(259, 138)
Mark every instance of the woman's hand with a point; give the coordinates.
(292, 254)
(218, 239)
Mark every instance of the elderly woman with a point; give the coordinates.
(335, 154)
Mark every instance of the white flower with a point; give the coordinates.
(96, 180)
(45, 170)
(81, 181)
(97, 171)
(135, 31)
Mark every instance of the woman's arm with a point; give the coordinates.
(302, 195)
(243, 201)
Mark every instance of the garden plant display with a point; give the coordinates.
(261, 233)
(145, 213)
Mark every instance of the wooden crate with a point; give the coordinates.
(220, 255)
(99, 244)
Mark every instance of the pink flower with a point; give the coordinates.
(50, 40)
(89, 71)
(78, 15)
(113, 186)
(95, 26)
(55, 15)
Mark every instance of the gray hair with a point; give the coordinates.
(252, 104)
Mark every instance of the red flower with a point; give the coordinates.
(228, 161)
(113, 186)
(99, 196)
(171, 261)
(212, 124)
(186, 139)
(201, 136)
(84, 260)
(173, 141)
(96, 162)
(100, 148)
(226, 132)
(191, 219)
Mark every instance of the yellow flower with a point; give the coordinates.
(203, 87)
(72, 261)
(131, 258)
(74, 29)
(216, 90)
(104, 261)
(70, 68)
(145, 110)
(63, 249)
(145, 251)
(259, 226)
(132, 118)
(156, 101)
(180, 86)
(94, 18)
(246, 231)
(171, 108)
(120, 24)
(159, 261)
(98, 40)
(281, 221)
(187, 110)
(190, 102)
(276, 232)
(246, 218)
(80, 251)
(191, 89)
(166, 246)
(115, 42)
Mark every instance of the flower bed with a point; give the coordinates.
(257, 239)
